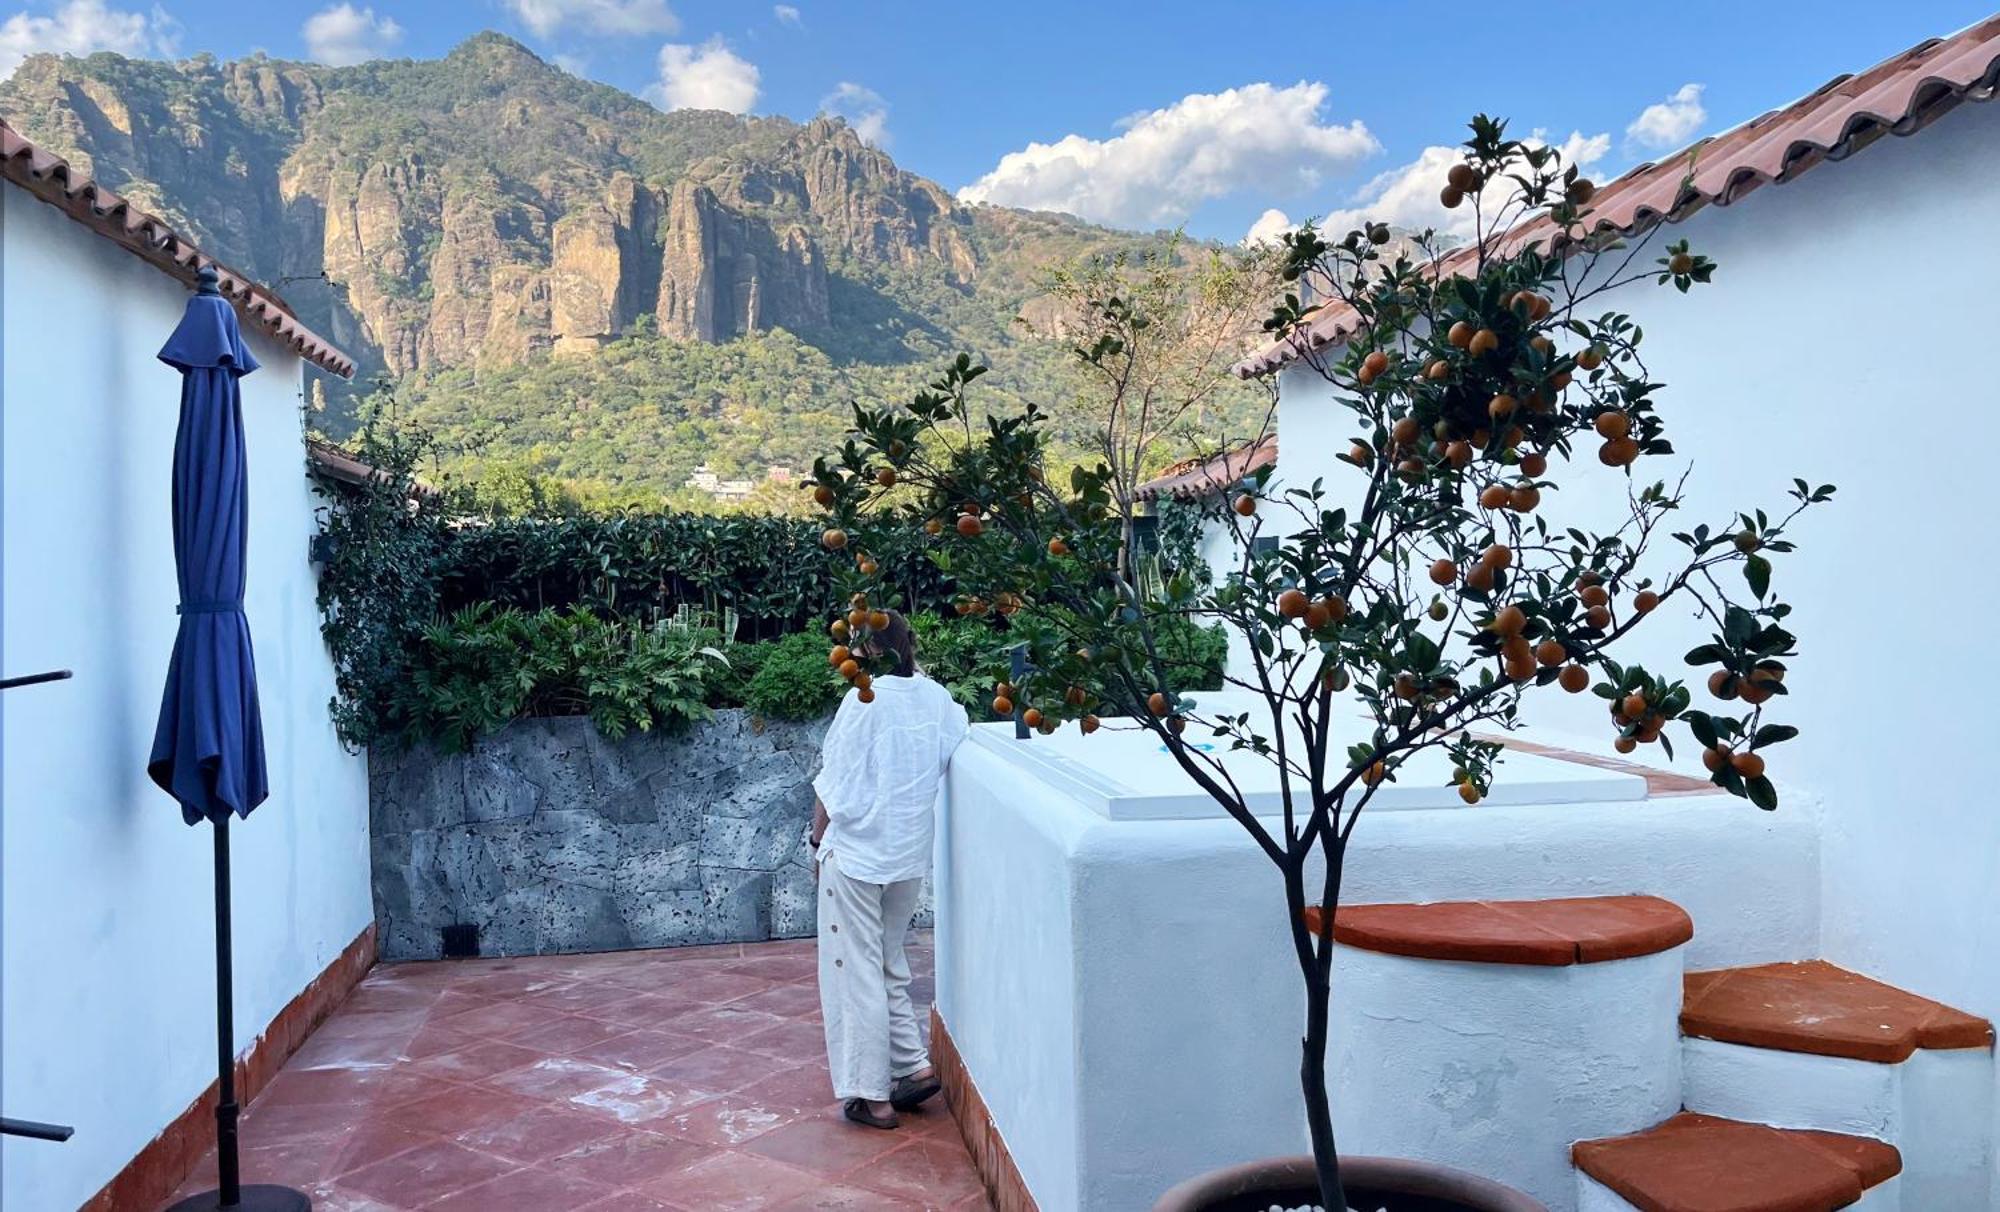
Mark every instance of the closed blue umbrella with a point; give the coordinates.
(208, 751)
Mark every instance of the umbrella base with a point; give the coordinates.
(259, 1198)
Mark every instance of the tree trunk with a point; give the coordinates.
(1312, 1078)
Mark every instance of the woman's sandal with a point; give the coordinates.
(909, 1093)
(857, 1110)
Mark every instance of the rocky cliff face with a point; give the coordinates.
(488, 208)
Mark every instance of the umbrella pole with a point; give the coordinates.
(231, 1195)
(225, 1029)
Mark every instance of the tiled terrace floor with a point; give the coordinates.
(690, 1080)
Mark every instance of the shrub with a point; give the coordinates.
(793, 680)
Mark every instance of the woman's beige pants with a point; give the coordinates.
(864, 982)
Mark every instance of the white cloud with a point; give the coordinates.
(344, 35)
(545, 17)
(1168, 161)
(83, 27)
(1407, 197)
(1670, 123)
(1270, 225)
(864, 109)
(709, 76)
(787, 14)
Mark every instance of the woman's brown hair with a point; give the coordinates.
(899, 641)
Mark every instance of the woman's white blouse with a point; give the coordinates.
(880, 772)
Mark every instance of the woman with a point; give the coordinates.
(878, 784)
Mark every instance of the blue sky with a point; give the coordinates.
(1203, 114)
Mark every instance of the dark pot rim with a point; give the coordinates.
(1281, 1178)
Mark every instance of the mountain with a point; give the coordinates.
(490, 226)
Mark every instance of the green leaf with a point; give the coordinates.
(1757, 572)
(1762, 793)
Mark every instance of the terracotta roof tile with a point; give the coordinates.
(1193, 479)
(50, 178)
(1900, 95)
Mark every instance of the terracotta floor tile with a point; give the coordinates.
(788, 1041)
(459, 1109)
(475, 1061)
(537, 1134)
(733, 1182)
(555, 1077)
(849, 1199)
(648, 1010)
(722, 1024)
(786, 1001)
(827, 1145)
(628, 1158)
(627, 1201)
(717, 1067)
(497, 1020)
(931, 1174)
(522, 1191)
(804, 1085)
(719, 987)
(640, 1050)
(638, 1099)
(563, 1036)
(728, 1121)
(425, 1174)
(610, 1083)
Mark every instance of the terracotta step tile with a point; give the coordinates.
(1701, 1163)
(1572, 930)
(1817, 1008)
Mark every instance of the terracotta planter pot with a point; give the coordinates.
(1372, 1183)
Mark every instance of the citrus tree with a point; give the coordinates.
(1435, 589)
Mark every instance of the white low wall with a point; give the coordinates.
(1500, 1068)
(107, 958)
(1124, 995)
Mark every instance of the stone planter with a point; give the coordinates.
(547, 837)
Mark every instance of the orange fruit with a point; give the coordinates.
(1468, 793)
(1317, 616)
(838, 656)
(1444, 572)
(866, 568)
(1404, 431)
(1594, 595)
(823, 495)
(1534, 465)
(1360, 454)
(1058, 548)
(839, 629)
(1450, 197)
(1156, 703)
(1598, 617)
(886, 477)
(1645, 600)
(1245, 505)
(1335, 607)
(1722, 684)
(865, 695)
(1074, 696)
(863, 680)
(1481, 578)
(1089, 724)
(1462, 178)
(969, 526)
(1373, 365)
(1680, 263)
(1612, 425)
(1580, 191)
(1624, 744)
(1749, 765)
(1375, 774)
(835, 539)
(1635, 705)
(1575, 679)
(849, 668)
(1032, 717)
(1501, 407)
(1438, 370)
(1494, 496)
(1483, 342)
(1510, 620)
(934, 527)
(1551, 653)
(1619, 452)
(1524, 498)
(1003, 706)
(1590, 359)
(878, 620)
(1497, 556)
(1460, 334)
(1713, 758)
(1292, 604)
(1459, 454)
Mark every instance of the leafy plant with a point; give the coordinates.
(1428, 593)
(793, 680)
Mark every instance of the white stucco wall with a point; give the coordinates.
(108, 963)
(1847, 339)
